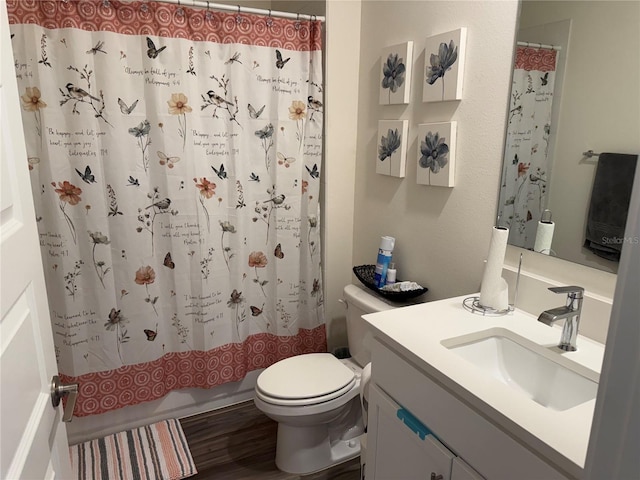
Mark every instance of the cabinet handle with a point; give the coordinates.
(413, 423)
(434, 477)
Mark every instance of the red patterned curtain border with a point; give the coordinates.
(168, 20)
(101, 392)
(539, 59)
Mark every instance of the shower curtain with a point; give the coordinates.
(175, 156)
(527, 161)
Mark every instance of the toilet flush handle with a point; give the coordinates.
(342, 300)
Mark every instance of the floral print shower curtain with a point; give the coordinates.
(175, 156)
(527, 161)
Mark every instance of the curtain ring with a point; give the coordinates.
(106, 4)
(180, 10)
(208, 13)
(238, 17)
(269, 20)
(297, 25)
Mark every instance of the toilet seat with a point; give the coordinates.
(307, 379)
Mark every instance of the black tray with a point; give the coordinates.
(366, 274)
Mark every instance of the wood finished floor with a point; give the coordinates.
(239, 443)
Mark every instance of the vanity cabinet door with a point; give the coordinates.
(399, 446)
(461, 471)
(493, 453)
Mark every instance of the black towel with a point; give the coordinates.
(610, 204)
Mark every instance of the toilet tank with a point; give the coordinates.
(360, 302)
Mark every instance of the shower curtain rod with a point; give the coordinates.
(538, 45)
(239, 9)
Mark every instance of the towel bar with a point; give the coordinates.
(590, 153)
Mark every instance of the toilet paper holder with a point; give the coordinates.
(473, 303)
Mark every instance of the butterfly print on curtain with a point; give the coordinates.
(237, 297)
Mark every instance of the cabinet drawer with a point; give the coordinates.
(484, 446)
(399, 446)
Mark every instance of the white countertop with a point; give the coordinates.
(416, 332)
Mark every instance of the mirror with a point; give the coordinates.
(580, 95)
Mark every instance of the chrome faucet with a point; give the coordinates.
(570, 313)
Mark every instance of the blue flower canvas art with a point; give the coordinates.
(392, 147)
(395, 74)
(436, 154)
(393, 71)
(388, 144)
(444, 62)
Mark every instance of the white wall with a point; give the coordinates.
(339, 175)
(308, 7)
(442, 234)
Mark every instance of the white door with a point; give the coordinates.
(33, 438)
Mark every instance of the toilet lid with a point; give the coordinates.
(304, 377)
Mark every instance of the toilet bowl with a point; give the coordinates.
(315, 398)
(319, 423)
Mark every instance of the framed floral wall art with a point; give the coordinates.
(444, 65)
(395, 71)
(392, 147)
(436, 154)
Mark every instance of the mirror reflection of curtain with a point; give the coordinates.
(523, 194)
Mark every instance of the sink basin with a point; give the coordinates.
(542, 375)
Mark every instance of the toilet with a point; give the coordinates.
(316, 398)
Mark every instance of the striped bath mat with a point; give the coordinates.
(154, 452)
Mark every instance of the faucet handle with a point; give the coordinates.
(572, 289)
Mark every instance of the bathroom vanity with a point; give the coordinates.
(456, 395)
